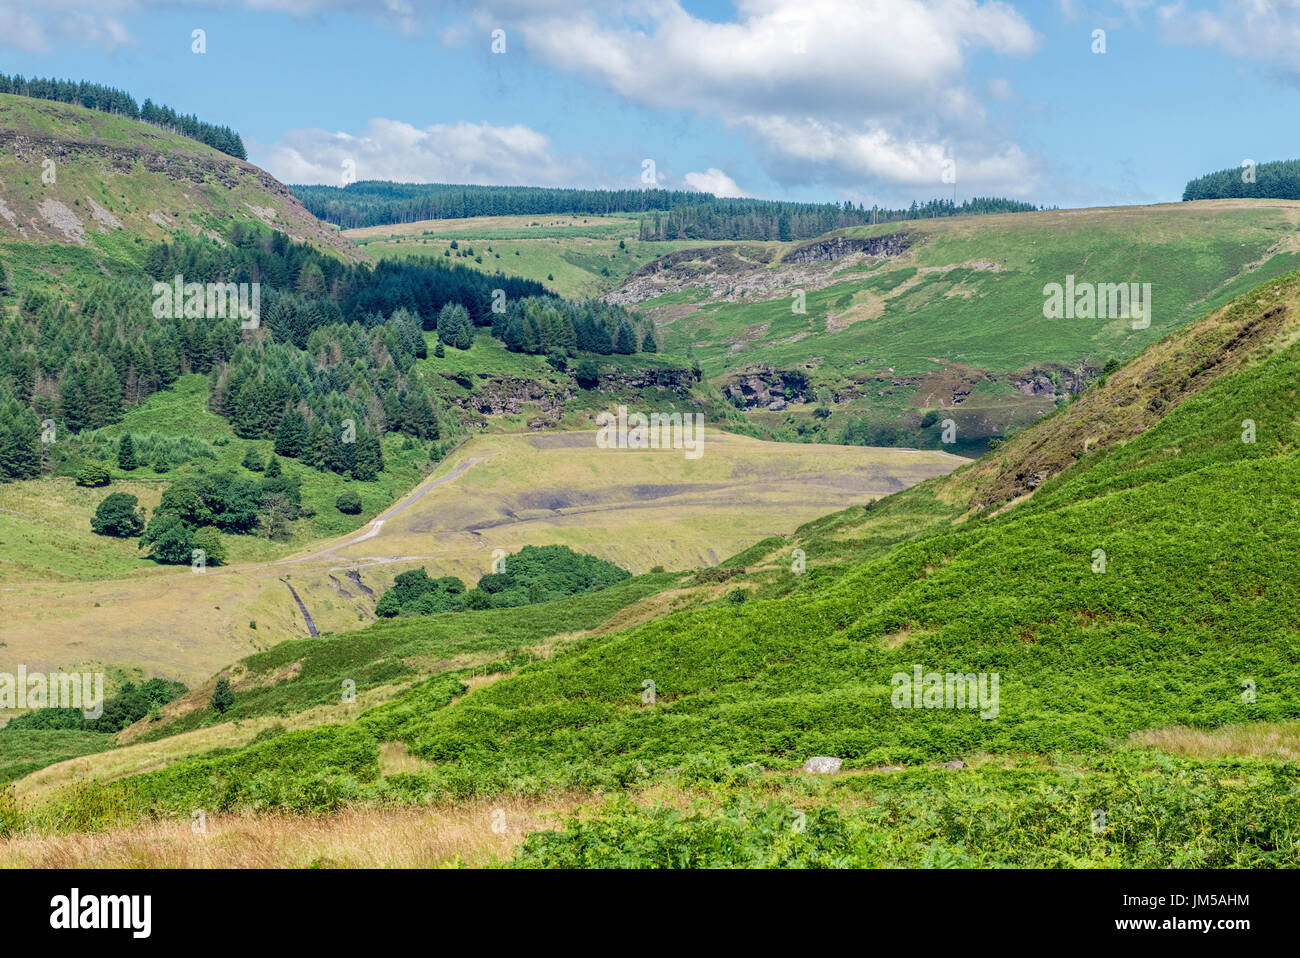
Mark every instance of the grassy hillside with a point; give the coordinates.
(1110, 674)
(106, 183)
(578, 257)
(949, 323)
(955, 323)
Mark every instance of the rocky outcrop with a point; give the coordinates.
(767, 387)
(675, 378)
(507, 395)
(837, 247)
(745, 272)
(1053, 382)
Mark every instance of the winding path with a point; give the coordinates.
(372, 529)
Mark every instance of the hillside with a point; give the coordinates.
(904, 324)
(1150, 684)
(111, 182)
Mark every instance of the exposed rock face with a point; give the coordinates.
(676, 378)
(769, 387)
(507, 395)
(820, 251)
(1041, 384)
(743, 272)
(200, 168)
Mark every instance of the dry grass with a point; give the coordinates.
(1275, 740)
(137, 757)
(474, 835)
(638, 509)
(394, 759)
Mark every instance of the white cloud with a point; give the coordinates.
(38, 27)
(1263, 30)
(883, 81)
(854, 89)
(1000, 88)
(716, 182)
(444, 153)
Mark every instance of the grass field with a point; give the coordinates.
(578, 257)
(638, 509)
(45, 524)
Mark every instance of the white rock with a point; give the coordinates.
(822, 765)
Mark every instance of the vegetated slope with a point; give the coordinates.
(945, 315)
(1185, 615)
(75, 176)
(1194, 522)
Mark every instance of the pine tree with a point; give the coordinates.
(74, 409)
(369, 461)
(418, 417)
(126, 459)
(292, 434)
(625, 343)
(320, 444)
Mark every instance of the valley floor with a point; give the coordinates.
(638, 509)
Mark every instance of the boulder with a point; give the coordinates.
(822, 765)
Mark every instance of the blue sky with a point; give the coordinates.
(801, 99)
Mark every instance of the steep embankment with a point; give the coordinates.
(80, 177)
(1141, 591)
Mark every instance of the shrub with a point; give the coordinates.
(93, 474)
(223, 697)
(587, 374)
(209, 540)
(716, 574)
(348, 502)
(117, 516)
(169, 540)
